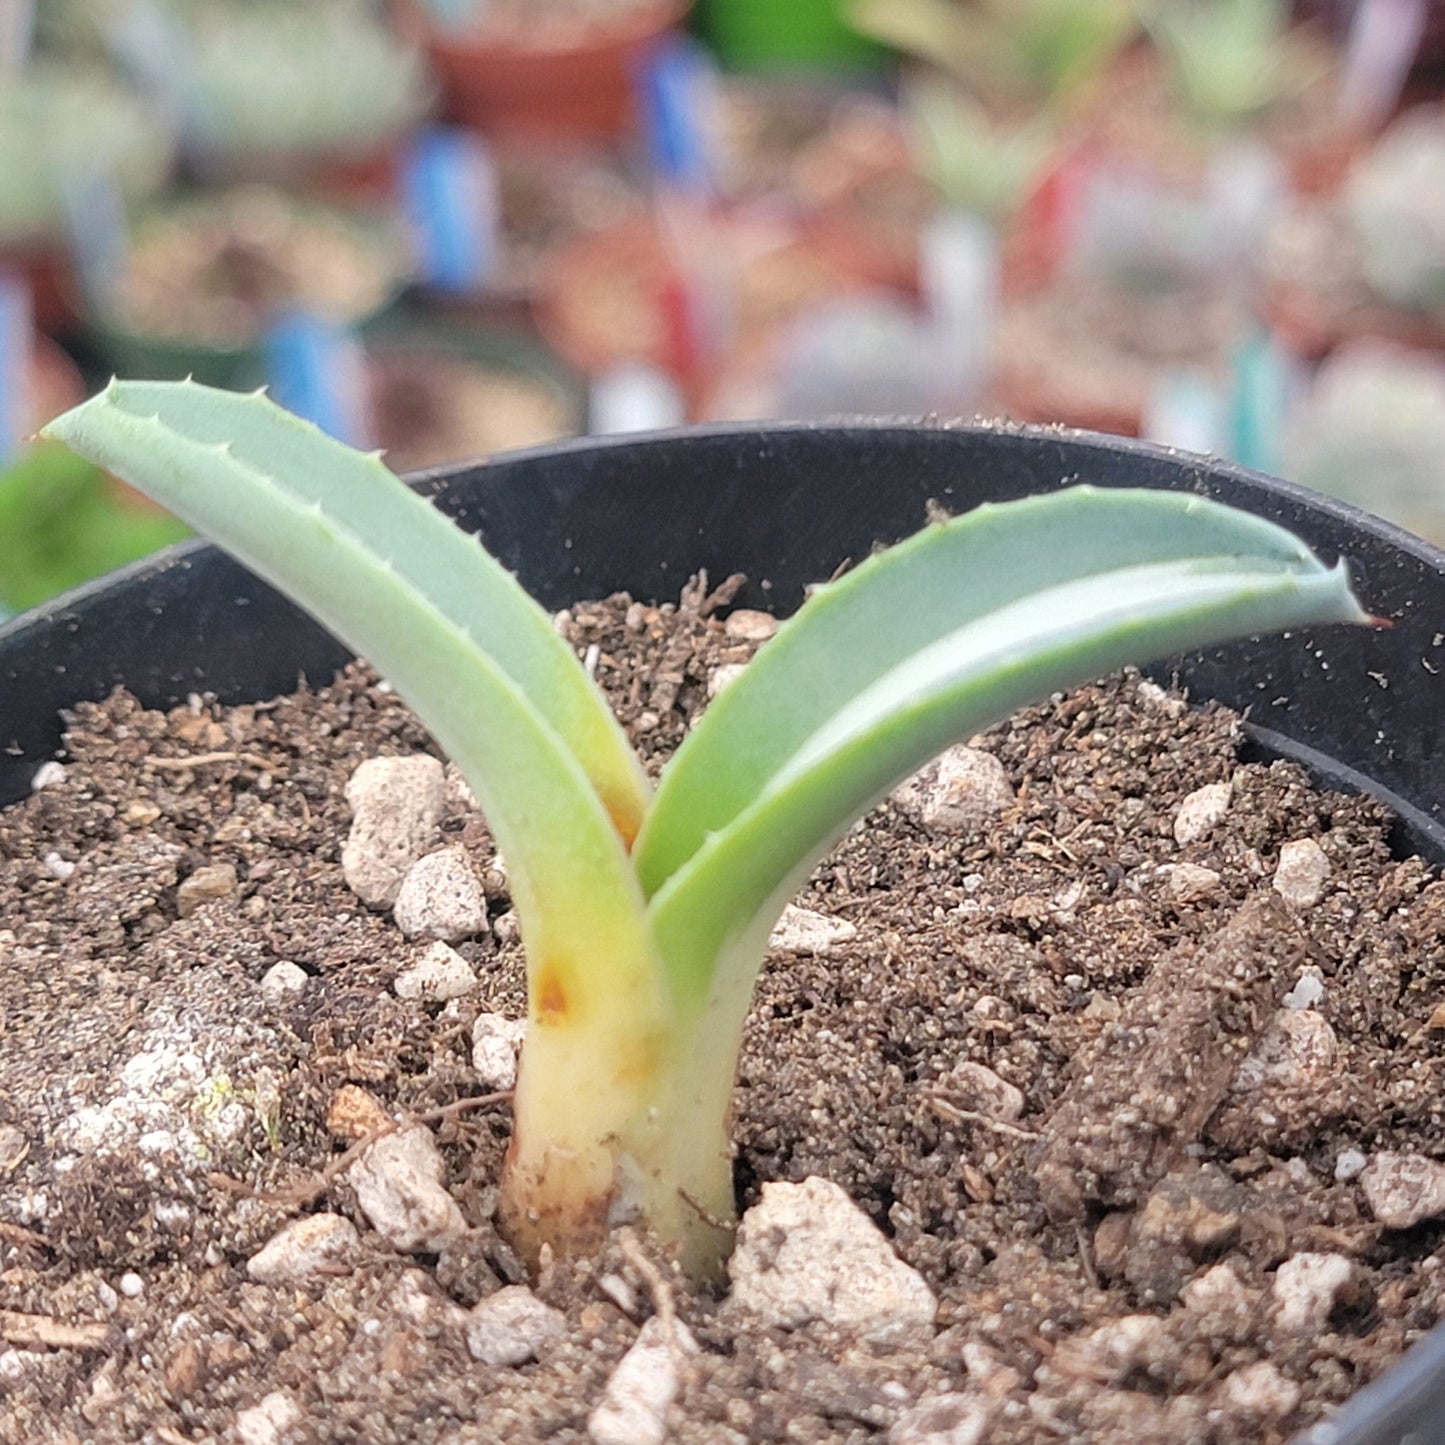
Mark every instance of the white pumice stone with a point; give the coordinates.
(441, 898)
(1302, 872)
(1297, 1049)
(441, 973)
(1350, 1164)
(398, 1184)
(47, 775)
(803, 930)
(722, 674)
(977, 1087)
(641, 1389)
(271, 1422)
(1308, 990)
(1305, 1289)
(957, 792)
(396, 804)
(959, 1417)
(1403, 1189)
(57, 867)
(806, 1252)
(747, 624)
(508, 1327)
(1190, 882)
(1260, 1389)
(283, 982)
(1201, 811)
(313, 1245)
(496, 1041)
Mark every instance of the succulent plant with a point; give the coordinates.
(1395, 198)
(61, 125)
(1230, 59)
(1006, 52)
(285, 79)
(1372, 431)
(979, 165)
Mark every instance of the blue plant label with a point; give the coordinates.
(1264, 384)
(16, 342)
(317, 369)
(1186, 411)
(451, 195)
(676, 87)
(96, 229)
(455, 15)
(17, 30)
(150, 44)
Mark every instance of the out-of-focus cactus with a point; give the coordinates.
(285, 80)
(1231, 60)
(1396, 202)
(979, 165)
(59, 126)
(1005, 52)
(1372, 431)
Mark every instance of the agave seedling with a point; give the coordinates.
(1010, 54)
(645, 914)
(1231, 60)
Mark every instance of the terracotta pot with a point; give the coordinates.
(581, 87)
(45, 268)
(1314, 295)
(618, 296)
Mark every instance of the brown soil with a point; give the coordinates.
(159, 1120)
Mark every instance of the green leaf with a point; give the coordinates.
(942, 635)
(323, 540)
(434, 556)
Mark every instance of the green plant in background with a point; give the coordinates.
(1008, 53)
(61, 124)
(1231, 60)
(646, 914)
(322, 80)
(63, 521)
(980, 165)
(1395, 198)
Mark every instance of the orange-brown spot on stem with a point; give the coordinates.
(625, 819)
(551, 997)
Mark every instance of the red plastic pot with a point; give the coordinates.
(501, 85)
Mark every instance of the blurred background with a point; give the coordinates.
(450, 227)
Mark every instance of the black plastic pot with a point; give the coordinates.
(1364, 710)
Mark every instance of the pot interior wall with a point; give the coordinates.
(786, 506)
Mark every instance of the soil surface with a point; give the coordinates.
(161, 1117)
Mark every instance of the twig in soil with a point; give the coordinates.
(955, 1115)
(203, 760)
(1085, 1263)
(698, 1208)
(300, 1195)
(20, 1329)
(20, 1235)
(656, 1281)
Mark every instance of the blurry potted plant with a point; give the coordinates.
(1011, 54)
(439, 392)
(762, 35)
(205, 277)
(65, 521)
(550, 66)
(59, 125)
(1370, 262)
(297, 94)
(1371, 430)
